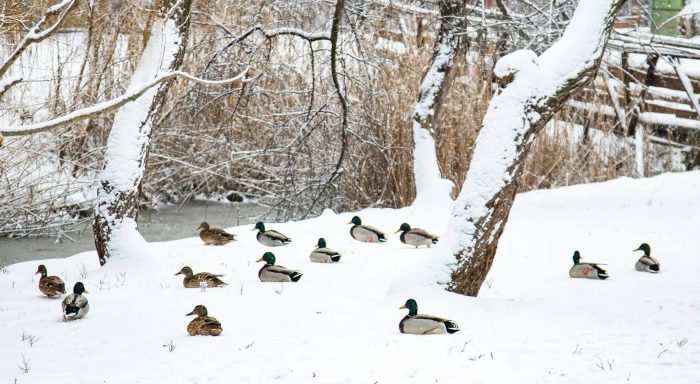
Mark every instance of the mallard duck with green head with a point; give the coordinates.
(75, 306)
(322, 254)
(646, 263)
(587, 270)
(50, 286)
(365, 233)
(417, 324)
(276, 273)
(214, 236)
(271, 238)
(416, 236)
(199, 280)
(203, 324)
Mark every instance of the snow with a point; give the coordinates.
(513, 62)
(531, 323)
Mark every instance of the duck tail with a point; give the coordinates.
(602, 274)
(295, 276)
(654, 268)
(435, 240)
(451, 326)
(381, 237)
(335, 258)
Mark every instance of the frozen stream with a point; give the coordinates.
(164, 224)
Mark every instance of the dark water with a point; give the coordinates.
(169, 223)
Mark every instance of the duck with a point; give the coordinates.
(416, 236)
(416, 324)
(75, 306)
(50, 286)
(365, 233)
(586, 270)
(322, 254)
(203, 324)
(270, 238)
(199, 280)
(646, 263)
(276, 273)
(214, 236)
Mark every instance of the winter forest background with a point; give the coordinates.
(276, 137)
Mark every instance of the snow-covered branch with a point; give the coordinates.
(36, 34)
(110, 105)
(7, 83)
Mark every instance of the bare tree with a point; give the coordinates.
(535, 88)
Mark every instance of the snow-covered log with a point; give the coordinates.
(114, 227)
(450, 45)
(537, 91)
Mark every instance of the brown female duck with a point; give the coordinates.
(203, 324)
(214, 236)
(199, 280)
(50, 286)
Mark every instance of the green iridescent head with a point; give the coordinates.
(644, 247)
(321, 243)
(259, 226)
(267, 257)
(577, 257)
(412, 307)
(404, 227)
(356, 220)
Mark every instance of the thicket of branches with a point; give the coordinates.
(276, 138)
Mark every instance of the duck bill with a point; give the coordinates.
(638, 249)
(398, 230)
(190, 314)
(179, 273)
(253, 229)
(403, 306)
(259, 260)
(86, 291)
(348, 223)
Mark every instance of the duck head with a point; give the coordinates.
(259, 226)
(644, 247)
(187, 271)
(577, 257)
(404, 228)
(321, 243)
(412, 307)
(79, 289)
(41, 270)
(267, 257)
(199, 310)
(203, 227)
(355, 220)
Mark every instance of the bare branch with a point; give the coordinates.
(35, 34)
(110, 105)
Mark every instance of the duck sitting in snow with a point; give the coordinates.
(416, 324)
(586, 270)
(214, 236)
(276, 273)
(75, 305)
(646, 263)
(50, 286)
(270, 238)
(365, 233)
(416, 236)
(199, 280)
(203, 324)
(322, 254)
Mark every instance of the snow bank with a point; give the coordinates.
(531, 324)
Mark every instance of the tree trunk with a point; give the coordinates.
(535, 89)
(450, 47)
(118, 195)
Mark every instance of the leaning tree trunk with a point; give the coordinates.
(534, 89)
(127, 146)
(450, 47)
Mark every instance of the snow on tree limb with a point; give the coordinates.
(110, 105)
(36, 34)
(514, 117)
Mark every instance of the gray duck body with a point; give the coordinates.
(418, 237)
(427, 325)
(647, 264)
(75, 306)
(278, 274)
(588, 271)
(324, 255)
(272, 238)
(367, 234)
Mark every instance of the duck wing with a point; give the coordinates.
(272, 234)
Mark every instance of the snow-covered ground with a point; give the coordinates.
(339, 324)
